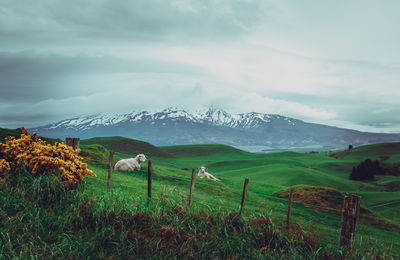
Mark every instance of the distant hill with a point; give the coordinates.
(4, 132)
(201, 150)
(389, 152)
(254, 132)
(386, 151)
(126, 146)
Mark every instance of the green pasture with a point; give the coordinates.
(268, 173)
(378, 232)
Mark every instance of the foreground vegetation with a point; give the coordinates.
(38, 157)
(41, 218)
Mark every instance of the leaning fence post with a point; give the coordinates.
(110, 168)
(149, 178)
(74, 142)
(246, 181)
(289, 211)
(192, 187)
(350, 212)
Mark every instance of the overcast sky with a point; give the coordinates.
(331, 62)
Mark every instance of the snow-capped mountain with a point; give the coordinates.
(250, 131)
(212, 116)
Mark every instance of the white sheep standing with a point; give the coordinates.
(131, 164)
(203, 174)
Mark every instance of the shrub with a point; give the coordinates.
(40, 157)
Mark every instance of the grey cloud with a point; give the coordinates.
(138, 20)
(363, 64)
(367, 114)
(27, 120)
(375, 117)
(31, 76)
(349, 108)
(359, 63)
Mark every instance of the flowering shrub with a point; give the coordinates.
(4, 168)
(39, 157)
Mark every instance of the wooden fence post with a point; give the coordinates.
(74, 142)
(289, 211)
(149, 178)
(192, 187)
(110, 168)
(246, 181)
(350, 212)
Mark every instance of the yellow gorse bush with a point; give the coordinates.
(39, 157)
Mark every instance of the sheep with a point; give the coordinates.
(203, 174)
(131, 164)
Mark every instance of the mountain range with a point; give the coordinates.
(256, 132)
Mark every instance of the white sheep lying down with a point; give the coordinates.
(203, 174)
(131, 164)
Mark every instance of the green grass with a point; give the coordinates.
(375, 151)
(40, 219)
(214, 197)
(126, 146)
(269, 174)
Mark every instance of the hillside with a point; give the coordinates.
(126, 146)
(282, 169)
(270, 176)
(4, 132)
(388, 152)
(202, 150)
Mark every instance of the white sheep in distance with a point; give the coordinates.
(203, 174)
(131, 164)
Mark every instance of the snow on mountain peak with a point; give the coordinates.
(210, 115)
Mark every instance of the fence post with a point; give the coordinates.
(246, 181)
(149, 178)
(192, 187)
(289, 211)
(74, 142)
(350, 212)
(110, 168)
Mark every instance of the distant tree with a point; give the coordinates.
(366, 170)
(350, 147)
(361, 173)
(375, 167)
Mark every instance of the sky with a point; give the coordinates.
(329, 62)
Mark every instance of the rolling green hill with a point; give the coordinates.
(270, 176)
(202, 150)
(389, 152)
(4, 132)
(126, 146)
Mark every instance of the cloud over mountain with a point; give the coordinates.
(333, 63)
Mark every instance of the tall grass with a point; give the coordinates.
(41, 219)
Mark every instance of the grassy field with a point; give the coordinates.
(268, 174)
(320, 181)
